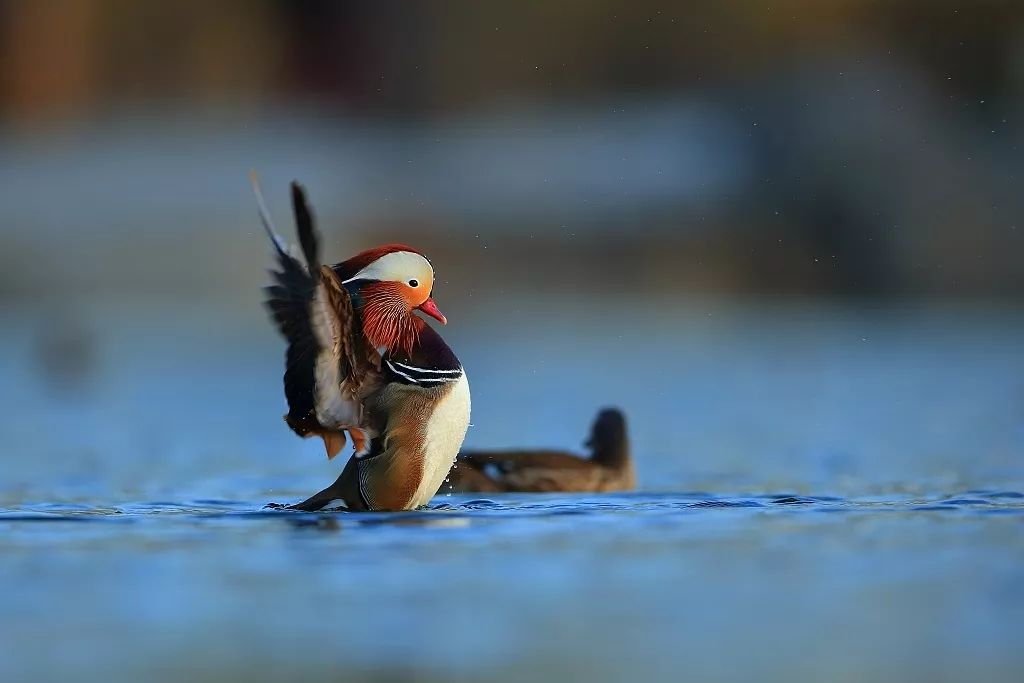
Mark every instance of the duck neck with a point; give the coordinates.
(611, 453)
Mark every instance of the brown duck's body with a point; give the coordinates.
(609, 468)
(360, 362)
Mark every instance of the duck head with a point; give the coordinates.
(387, 285)
(609, 442)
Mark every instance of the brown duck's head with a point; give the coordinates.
(608, 440)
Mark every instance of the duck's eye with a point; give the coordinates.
(414, 283)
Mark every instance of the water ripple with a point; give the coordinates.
(519, 506)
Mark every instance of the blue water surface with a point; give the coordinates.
(825, 495)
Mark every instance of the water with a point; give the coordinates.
(825, 495)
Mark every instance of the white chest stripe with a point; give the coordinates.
(441, 376)
(398, 372)
(416, 369)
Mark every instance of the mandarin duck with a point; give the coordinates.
(361, 362)
(609, 468)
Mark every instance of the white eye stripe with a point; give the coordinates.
(398, 266)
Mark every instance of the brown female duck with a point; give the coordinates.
(609, 467)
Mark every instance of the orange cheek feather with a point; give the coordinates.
(409, 295)
(387, 316)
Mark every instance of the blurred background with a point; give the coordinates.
(786, 238)
(789, 227)
(849, 148)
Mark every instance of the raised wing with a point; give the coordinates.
(328, 369)
(347, 368)
(288, 301)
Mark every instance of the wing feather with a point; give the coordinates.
(305, 228)
(287, 301)
(328, 369)
(337, 386)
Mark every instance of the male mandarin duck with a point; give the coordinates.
(360, 361)
(609, 468)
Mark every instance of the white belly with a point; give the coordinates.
(445, 431)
